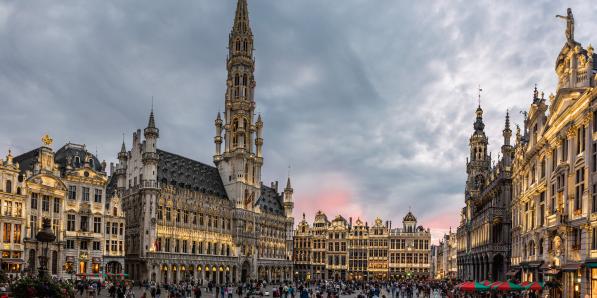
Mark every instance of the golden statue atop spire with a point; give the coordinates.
(47, 140)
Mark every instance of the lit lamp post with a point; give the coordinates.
(45, 236)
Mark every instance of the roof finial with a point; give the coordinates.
(507, 119)
(151, 123)
(479, 95)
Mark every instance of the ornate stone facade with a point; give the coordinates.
(13, 217)
(187, 220)
(554, 208)
(444, 257)
(484, 232)
(342, 250)
(69, 188)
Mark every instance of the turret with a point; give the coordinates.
(151, 134)
(288, 202)
(150, 157)
(218, 139)
(259, 138)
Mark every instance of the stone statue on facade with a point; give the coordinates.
(569, 25)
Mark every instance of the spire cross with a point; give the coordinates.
(479, 95)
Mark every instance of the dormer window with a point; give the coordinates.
(77, 161)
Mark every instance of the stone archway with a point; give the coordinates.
(245, 271)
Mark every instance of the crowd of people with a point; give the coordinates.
(408, 288)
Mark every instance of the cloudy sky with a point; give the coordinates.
(371, 102)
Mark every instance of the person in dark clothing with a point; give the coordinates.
(197, 292)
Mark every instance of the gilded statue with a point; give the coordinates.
(47, 140)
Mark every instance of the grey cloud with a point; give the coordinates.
(383, 92)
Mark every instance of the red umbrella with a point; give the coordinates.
(534, 286)
(507, 286)
(471, 286)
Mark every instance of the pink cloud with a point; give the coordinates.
(332, 193)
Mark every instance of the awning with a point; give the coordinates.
(591, 264)
(571, 267)
(512, 272)
(544, 266)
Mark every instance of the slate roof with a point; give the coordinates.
(74, 150)
(191, 174)
(270, 201)
(27, 160)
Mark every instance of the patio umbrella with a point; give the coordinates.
(507, 286)
(472, 286)
(486, 283)
(533, 286)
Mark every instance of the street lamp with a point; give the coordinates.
(45, 236)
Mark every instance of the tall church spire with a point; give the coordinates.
(240, 160)
(241, 18)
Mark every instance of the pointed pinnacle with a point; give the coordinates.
(151, 123)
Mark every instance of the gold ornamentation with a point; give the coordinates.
(47, 140)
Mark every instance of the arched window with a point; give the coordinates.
(236, 80)
(77, 161)
(91, 162)
(18, 190)
(245, 80)
(238, 45)
(114, 211)
(234, 136)
(8, 186)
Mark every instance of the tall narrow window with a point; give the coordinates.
(564, 149)
(86, 194)
(579, 188)
(34, 201)
(72, 192)
(33, 225)
(98, 196)
(56, 205)
(45, 203)
(70, 222)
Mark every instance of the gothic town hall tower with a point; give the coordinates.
(187, 220)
